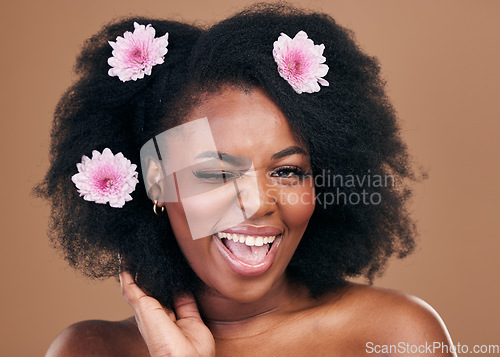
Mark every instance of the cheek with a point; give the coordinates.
(195, 251)
(203, 214)
(177, 219)
(297, 205)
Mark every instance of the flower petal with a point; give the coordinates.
(300, 62)
(106, 178)
(136, 53)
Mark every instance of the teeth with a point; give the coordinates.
(248, 240)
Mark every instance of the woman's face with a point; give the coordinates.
(246, 193)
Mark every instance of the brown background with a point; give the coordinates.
(440, 59)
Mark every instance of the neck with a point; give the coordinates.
(225, 316)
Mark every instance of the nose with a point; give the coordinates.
(257, 196)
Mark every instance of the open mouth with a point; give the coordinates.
(248, 249)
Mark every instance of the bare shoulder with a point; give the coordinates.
(99, 338)
(384, 317)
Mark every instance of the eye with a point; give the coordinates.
(290, 173)
(216, 176)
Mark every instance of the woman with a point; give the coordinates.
(272, 170)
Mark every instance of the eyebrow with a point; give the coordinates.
(292, 150)
(236, 160)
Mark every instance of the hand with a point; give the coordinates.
(168, 333)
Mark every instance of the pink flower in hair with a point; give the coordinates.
(135, 54)
(300, 62)
(106, 178)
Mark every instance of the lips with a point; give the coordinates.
(249, 250)
(254, 230)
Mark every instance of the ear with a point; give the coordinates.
(158, 186)
(154, 173)
(153, 178)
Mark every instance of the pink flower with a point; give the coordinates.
(106, 178)
(136, 53)
(300, 62)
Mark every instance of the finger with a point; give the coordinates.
(130, 290)
(136, 298)
(170, 314)
(186, 307)
(155, 324)
(133, 293)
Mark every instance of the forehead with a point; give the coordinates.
(244, 119)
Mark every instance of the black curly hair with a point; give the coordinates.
(349, 128)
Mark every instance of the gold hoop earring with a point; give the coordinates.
(159, 212)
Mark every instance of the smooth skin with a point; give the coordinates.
(268, 314)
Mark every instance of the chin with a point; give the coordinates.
(244, 290)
